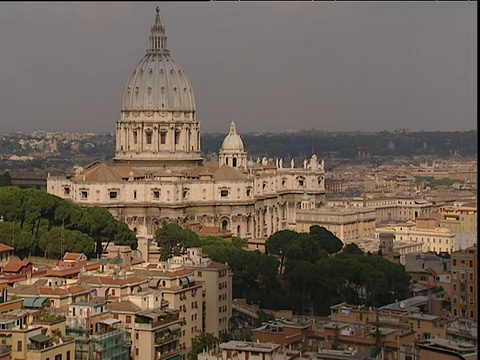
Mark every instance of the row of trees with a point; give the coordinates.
(40, 224)
(306, 272)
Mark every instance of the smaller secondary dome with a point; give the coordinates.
(233, 141)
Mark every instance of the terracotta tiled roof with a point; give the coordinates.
(15, 266)
(197, 171)
(120, 281)
(124, 305)
(180, 272)
(62, 291)
(228, 173)
(5, 248)
(72, 256)
(103, 172)
(25, 290)
(217, 265)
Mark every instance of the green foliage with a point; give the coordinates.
(263, 317)
(5, 179)
(55, 242)
(201, 342)
(35, 224)
(239, 242)
(173, 240)
(104, 228)
(328, 241)
(432, 182)
(352, 249)
(277, 242)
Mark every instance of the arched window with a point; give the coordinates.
(234, 162)
(224, 225)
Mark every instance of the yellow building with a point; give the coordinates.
(460, 219)
(345, 223)
(438, 240)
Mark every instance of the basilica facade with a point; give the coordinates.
(158, 173)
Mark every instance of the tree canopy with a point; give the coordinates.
(37, 223)
(173, 240)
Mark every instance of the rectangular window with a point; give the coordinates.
(163, 138)
(58, 357)
(68, 355)
(149, 137)
(112, 194)
(177, 137)
(128, 319)
(84, 194)
(156, 194)
(223, 193)
(135, 137)
(19, 345)
(199, 274)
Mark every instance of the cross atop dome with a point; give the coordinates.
(158, 38)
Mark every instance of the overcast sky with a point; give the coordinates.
(270, 66)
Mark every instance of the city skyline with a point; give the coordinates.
(268, 66)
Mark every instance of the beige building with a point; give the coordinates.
(158, 173)
(345, 223)
(388, 206)
(155, 330)
(33, 344)
(460, 219)
(181, 291)
(436, 240)
(216, 281)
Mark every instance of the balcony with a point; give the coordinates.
(165, 339)
(167, 354)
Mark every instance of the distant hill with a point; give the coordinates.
(57, 151)
(304, 143)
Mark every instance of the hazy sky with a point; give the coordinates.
(270, 66)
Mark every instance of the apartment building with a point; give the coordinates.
(464, 275)
(438, 240)
(97, 335)
(181, 291)
(459, 219)
(31, 334)
(290, 335)
(216, 280)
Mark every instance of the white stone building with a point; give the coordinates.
(158, 173)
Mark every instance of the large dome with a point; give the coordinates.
(158, 125)
(158, 83)
(232, 141)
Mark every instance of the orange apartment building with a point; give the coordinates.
(464, 279)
